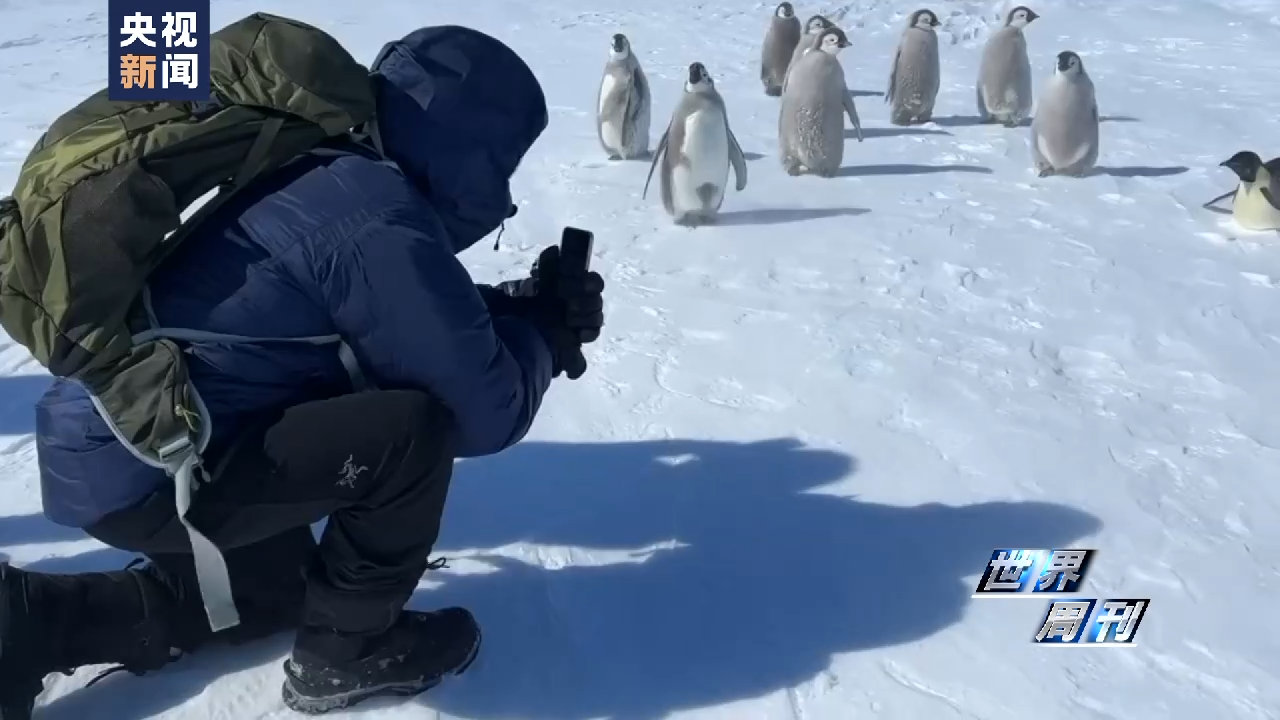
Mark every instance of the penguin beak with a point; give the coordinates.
(1240, 170)
(1031, 15)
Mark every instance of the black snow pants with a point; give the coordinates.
(376, 464)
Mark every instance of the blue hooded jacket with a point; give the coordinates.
(346, 244)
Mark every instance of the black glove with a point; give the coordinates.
(567, 309)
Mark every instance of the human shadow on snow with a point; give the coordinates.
(908, 169)
(736, 576)
(754, 578)
(18, 396)
(34, 530)
(778, 216)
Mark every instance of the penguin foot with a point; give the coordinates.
(1044, 170)
(773, 91)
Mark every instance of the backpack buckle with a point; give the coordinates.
(174, 453)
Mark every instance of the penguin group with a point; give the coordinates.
(799, 64)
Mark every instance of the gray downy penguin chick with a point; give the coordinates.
(1064, 133)
(779, 43)
(623, 105)
(1257, 198)
(814, 105)
(1004, 78)
(696, 152)
(916, 73)
(813, 28)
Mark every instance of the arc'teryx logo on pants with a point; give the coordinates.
(350, 471)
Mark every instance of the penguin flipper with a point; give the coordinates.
(737, 159)
(1220, 198)
(1270, 193)
(893, 76)
(852, 111)
(657, 157)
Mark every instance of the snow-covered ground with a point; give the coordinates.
(806, 428)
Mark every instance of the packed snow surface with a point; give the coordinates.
(806, 428)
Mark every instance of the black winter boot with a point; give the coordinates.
(329, 671)
(57, 623)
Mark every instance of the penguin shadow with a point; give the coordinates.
(974, 120)
(1138, 171)
(780, 216)
(896, 131)
(908, 169)
(647, 156)
(865, 93)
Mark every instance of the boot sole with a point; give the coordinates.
(319, 705)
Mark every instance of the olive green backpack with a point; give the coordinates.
(100, 203)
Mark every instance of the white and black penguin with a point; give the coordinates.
(916, 73)
(1004, 78)
(779, 43)
(1064, 133)
(695, 154)
(1257, 199)
(814, 105)
(623, 106)
(813, 28)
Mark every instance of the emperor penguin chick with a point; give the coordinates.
(915, 77)
(1257, 199)
(813, 28)
(1004, 77)
(1064, 133)
(696, 152)
(814, 103)
(623, 106)
(779, 43)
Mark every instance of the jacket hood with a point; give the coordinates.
(457, 111)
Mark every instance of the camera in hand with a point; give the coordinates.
(575, 251)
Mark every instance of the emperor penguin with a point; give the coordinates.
(1064, 133)
(779, 43)
(814, 103)
(813, 28)
(696, 152)
(1257, 199)
(1004, 77)
(916, 73)
(623, 106)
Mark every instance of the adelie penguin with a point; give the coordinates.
(1064, 133)
(1257, 198)
(1004, 77)
(915, 76)
(623, 106)
(695, 154)
(779, 43)
(814, 105)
